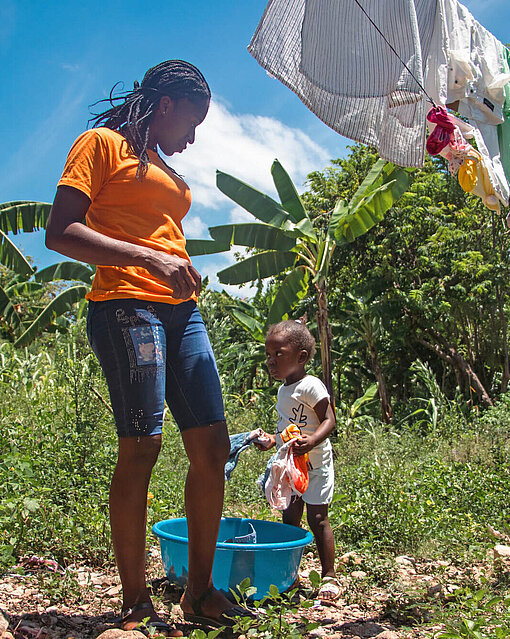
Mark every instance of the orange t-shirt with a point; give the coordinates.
(146, 212)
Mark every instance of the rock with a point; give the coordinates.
(497, 534)
(351, 556)
(386, 634)
(117, 633)
(501, 552)
(434, 590)
(404, 560)
(366, 630)
(4, 622)
(359, 574)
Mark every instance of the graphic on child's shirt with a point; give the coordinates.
(299, 414)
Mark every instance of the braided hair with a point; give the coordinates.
(174, 78)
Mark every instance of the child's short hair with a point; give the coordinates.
(297, 333)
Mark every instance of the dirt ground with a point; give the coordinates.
(39, 605)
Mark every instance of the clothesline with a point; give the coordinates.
(372, 89)
(396, 53)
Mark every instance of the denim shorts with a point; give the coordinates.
(149, 352)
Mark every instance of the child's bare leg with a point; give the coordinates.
(318, 521)
(294, 512)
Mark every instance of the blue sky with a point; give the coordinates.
(57, 58)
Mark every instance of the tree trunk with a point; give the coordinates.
(504, 334)
(450, 354)
(325, 336)
(386, 410)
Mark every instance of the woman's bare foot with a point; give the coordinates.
(212, 605)
(133, 616)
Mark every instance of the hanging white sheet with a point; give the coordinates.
(330, 55)
(333, 58)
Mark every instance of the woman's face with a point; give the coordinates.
(173, 125)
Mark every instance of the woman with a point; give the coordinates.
(143, 323)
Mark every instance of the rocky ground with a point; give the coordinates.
(39, 602)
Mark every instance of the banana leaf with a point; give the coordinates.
(255, 202)
(293, 288)
(289, 197)
(12, 257)
(71, 271)
(205, 247)
(257, 235)
(58, 306)
(23, 216)
(257, 267)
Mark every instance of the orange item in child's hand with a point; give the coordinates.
(300, 477)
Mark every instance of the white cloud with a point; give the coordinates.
(244, 145)
(239, 216)
(194, 227)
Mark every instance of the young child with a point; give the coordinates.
(303, 400)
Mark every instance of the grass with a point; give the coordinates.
(421, 493)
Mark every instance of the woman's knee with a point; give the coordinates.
(208, 446)
(139, 451)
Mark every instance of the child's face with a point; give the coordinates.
(285, 360)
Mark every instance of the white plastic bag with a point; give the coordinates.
(279, 487)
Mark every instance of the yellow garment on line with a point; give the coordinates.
(474, 178)
(468, 174)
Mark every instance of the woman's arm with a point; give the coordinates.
(66, 234)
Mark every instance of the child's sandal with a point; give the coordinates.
(330, 589)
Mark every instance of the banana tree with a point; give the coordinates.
(360, 320)
(256, 321)
(24, 282)
(286, 241)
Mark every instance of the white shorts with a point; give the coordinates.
(321, 486)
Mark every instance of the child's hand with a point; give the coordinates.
(265, 441)
(303, 444)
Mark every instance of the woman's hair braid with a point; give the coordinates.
(175, 78)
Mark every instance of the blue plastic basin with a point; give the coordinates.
(273, 559)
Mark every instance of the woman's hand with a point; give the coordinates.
(175, 272)
(66, 234)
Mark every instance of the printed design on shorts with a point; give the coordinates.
(147, 348)
(142, 342)
(137, 420)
